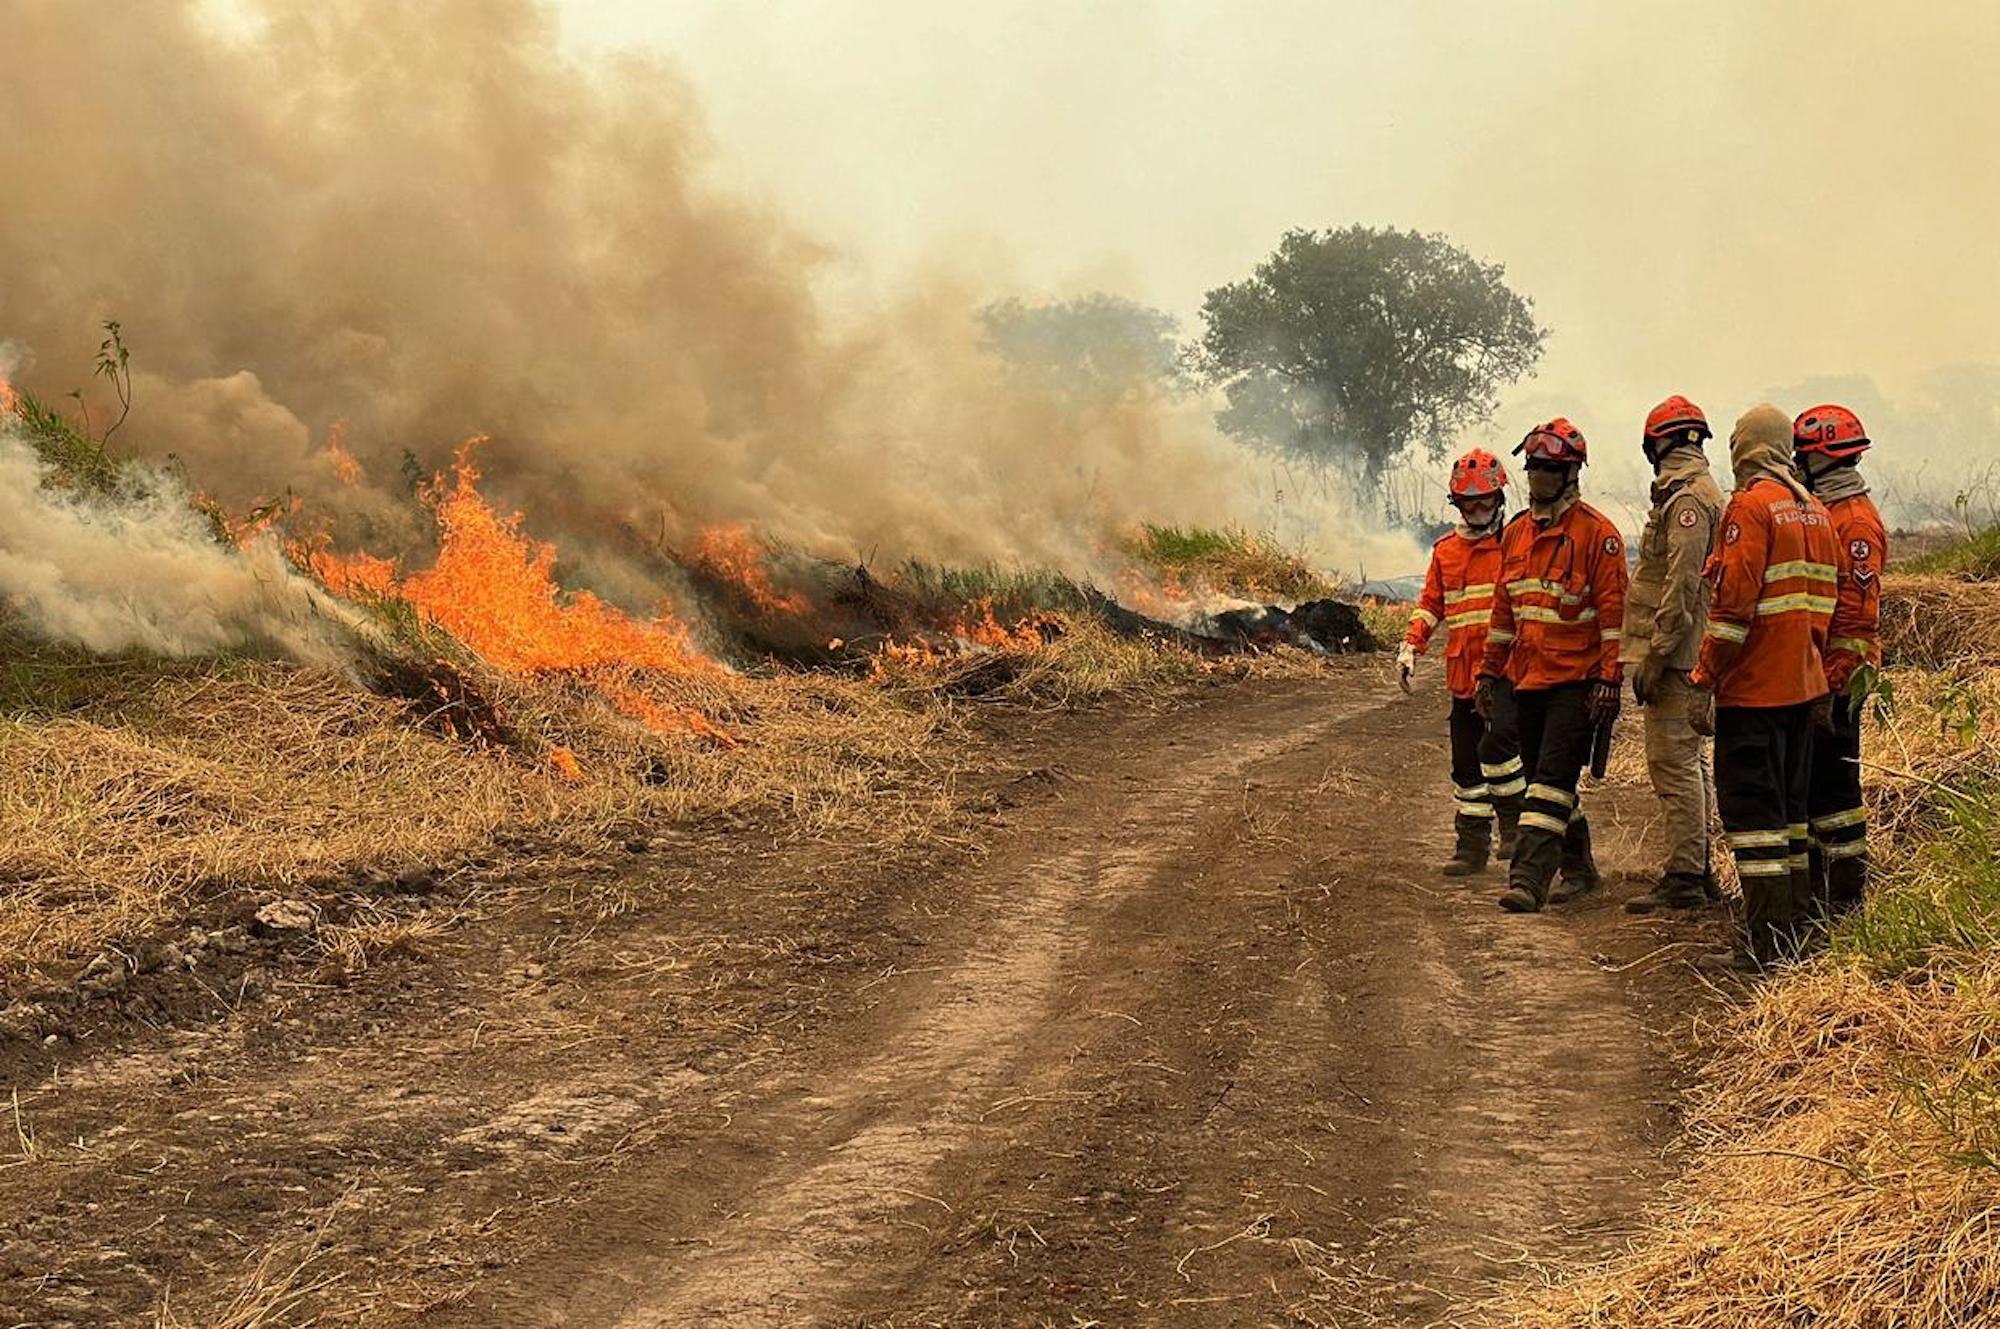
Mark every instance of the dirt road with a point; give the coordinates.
(1183, 1029)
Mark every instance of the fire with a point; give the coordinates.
(1167, 600)
(566, 764)
(662, 718)
(356, 576)
(987, 631)
(344, 465)
(494, 589)
(10, 401)
(980, 630)
(736, 555)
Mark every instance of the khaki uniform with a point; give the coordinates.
(1666, 611)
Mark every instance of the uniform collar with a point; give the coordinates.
(1840, 482)
(1678, 468)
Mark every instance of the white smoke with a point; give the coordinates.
(143, 572)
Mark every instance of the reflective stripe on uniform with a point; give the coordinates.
(1865, 650)
(1480, 810)
(1544, 614)
(1541, 821)
(1835, 820)
(1469, 593)
(1508, 767)
(1469, 617)
(1426, 617)
(1757, 839)
(1728, 632)
(1787, 604)
(1848, 849)
(1610, 634)
(1548, 793)
(1799, 568)
(1500, 635)
(1763, 867)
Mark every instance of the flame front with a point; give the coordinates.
(344, 466)
(733, 553)
(494, 589)
(10, 401)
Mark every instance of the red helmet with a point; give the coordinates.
(1832, 431)
(1558, 440)
(1678, 419)
(1478, 474)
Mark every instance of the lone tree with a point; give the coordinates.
(1351, 345)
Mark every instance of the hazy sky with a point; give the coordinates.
(1712, 198)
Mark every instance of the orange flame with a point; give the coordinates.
(987, 631)
(356, 576)
(735, 554)
(494, 589)
(344, 466)
(10, 401)
(566, 764)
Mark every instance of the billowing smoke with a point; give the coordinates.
(427, 222)
(142, 573)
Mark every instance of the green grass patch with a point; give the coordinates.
(1943, 902)
(1016, 590)
(1974, 558)
(1228, 559)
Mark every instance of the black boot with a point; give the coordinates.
(1676, 890)
(1579, 867)
(1507, 821)
(1536, 855)
(1475, 840)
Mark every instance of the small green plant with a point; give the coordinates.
(114, 365)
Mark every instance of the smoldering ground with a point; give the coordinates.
(428, 221)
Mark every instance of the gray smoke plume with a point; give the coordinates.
(427, 222)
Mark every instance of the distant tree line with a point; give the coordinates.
(1349, 349)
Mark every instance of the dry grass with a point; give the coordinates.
(1845, 1141)
(1932, 622)
(138, 791)
(124, 811)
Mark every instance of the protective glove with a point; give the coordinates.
(1482, 697)
(1406, 662)
(1605, 698)
(1701, 712)
(1822, 715)
(1646, 681)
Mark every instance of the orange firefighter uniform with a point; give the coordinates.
(1486, 775)
(1558, 612)
(1828, 442)
(1772, 584)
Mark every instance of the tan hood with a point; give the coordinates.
(1762, 446)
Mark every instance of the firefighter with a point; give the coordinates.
(1664, 617)
(1762, 675)
(1558, 610)
(1458, 592)
(1827, 443)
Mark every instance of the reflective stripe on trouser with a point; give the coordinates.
(1555, 745)
(1836, 817)
(1675, 765)
(1763, 758)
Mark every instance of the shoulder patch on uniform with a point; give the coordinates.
(1732, 532)
(1610, 544)
(1687, 517)
(1860, 550)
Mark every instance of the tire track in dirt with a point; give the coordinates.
(943, 1070)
